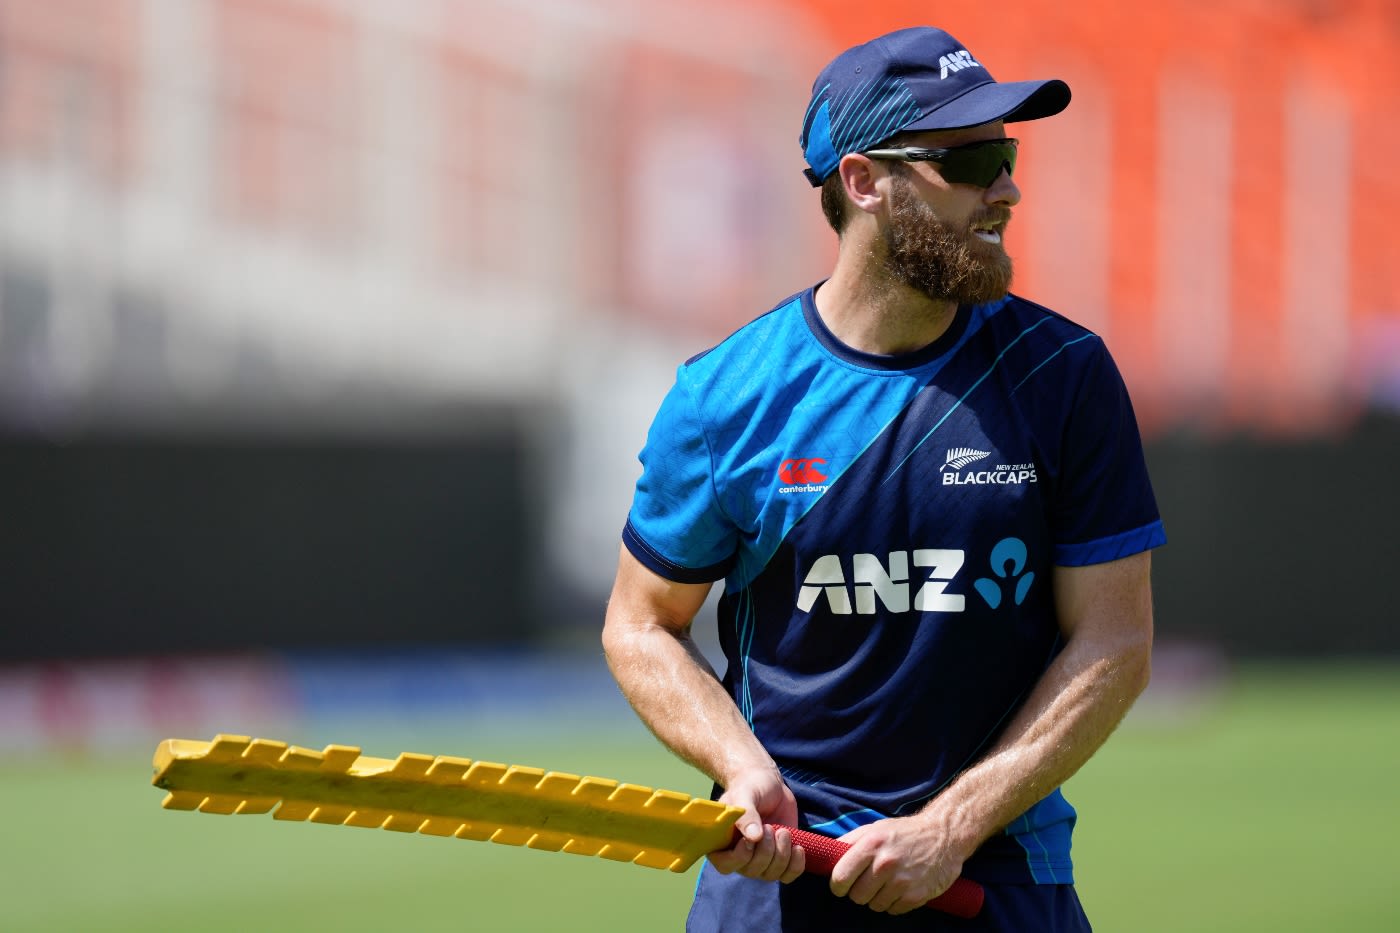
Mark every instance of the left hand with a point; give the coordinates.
(896, 865)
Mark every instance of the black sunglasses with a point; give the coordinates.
(977, 164)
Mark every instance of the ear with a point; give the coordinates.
(861, 179)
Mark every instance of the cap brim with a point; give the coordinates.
(1012, 102)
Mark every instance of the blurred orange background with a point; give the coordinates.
(1215, 201)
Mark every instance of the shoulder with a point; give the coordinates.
(1020, 316)
(767, 331)
(750, 361)
(1021, 329)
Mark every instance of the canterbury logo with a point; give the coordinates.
(801, 471)
(956, 62)
(959, 457)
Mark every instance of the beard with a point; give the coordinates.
(944, 263)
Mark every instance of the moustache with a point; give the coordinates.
(990, 215)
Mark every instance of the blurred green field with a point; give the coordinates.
(1271, 807)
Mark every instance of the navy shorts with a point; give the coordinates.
(735, 904)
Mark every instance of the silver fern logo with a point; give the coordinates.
(959, 457)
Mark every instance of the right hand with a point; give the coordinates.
(758, 851)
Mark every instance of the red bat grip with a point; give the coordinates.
(962, 899)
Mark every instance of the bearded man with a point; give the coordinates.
(950, 610)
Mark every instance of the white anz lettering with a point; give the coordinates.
(825, 577)
(889, 585)
(943, 566)
(871, 580)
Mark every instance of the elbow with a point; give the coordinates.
(611, 638)
(1142, 674)
(1137, 664)
(623, 638)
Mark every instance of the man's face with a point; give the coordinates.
(946, 240)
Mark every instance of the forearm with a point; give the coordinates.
(673, 689)
(1075, 706)
(646, 638)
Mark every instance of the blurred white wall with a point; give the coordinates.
(428, 197)
(306, 213)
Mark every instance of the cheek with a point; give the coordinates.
(951, 216)
(956, 214)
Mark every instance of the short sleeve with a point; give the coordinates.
(1104, 508)
(676, 527)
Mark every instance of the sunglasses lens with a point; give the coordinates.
(979, 164)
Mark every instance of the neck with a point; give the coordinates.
(868, 311)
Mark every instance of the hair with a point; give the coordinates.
(834, 193)
(834, 202)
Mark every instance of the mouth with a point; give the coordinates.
(990, 229)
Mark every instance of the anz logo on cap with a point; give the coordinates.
(956, 62)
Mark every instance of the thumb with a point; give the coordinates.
(750, 827)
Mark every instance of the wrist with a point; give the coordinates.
(747, 769)
(955, 825)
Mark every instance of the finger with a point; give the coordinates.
(866, 889)
(760, 863)
(885, 899)
(848, 869)
(782, 856)
(796, 865)
(727, 861)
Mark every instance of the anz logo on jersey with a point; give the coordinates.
(874, 581)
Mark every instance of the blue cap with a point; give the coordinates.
(913, 79)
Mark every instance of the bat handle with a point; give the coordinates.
(963, 899)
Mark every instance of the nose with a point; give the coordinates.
(1003, 190)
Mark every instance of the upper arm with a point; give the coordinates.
(641, 598)
(1110, 601)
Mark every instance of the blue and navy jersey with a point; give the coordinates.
(886, 527)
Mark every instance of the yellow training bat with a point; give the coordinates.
(480, 800)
